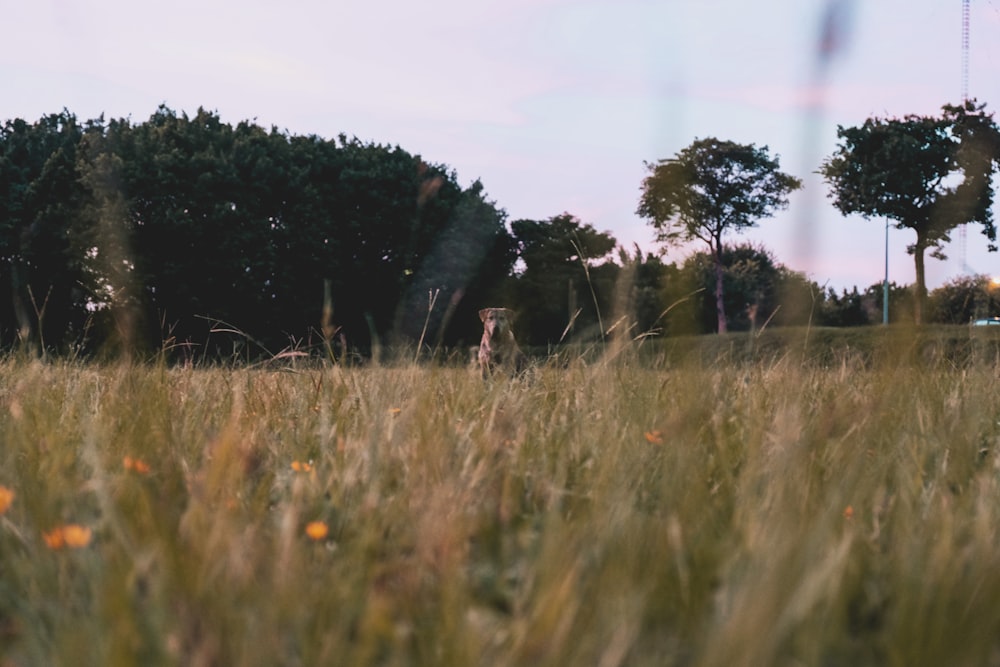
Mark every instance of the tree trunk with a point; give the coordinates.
(921, 289)
(720, 307)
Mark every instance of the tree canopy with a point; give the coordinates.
(556, 290)
(925, 173)
(710, 189)
(188, 231)
(206, 240)
(40, 194)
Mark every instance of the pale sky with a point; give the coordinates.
(553, 104)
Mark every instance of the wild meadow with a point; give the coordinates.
(797, 506)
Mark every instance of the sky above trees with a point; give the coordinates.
(553, 104)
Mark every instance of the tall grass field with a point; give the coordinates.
(790, 506)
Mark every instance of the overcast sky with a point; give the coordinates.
(553, 104)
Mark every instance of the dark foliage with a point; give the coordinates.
(565, 287)
(964, 299)
(758, 291)
(217, 240)
(40, 196)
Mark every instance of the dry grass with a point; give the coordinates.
(774, 513)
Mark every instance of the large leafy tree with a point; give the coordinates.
(244, 226)
(710, 189)
(467, 259)
(155, 230)
(185, 206)
(392, 207)
(559, 285)
(40, 196)
(925, 173)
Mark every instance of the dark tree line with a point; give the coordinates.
(209, 239)
(177, 228)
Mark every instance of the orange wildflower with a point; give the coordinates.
(6, 498)
(317, 530)
(54, 539)
(72, 536)
(76, 536)
(848, 512)
(136, 465)
(654, 437)
(299, 466)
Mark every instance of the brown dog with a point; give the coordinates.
(498, 349)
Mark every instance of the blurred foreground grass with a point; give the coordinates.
(763, 511)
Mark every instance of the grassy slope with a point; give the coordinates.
(724, 501)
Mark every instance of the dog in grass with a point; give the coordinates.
(498, 350)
